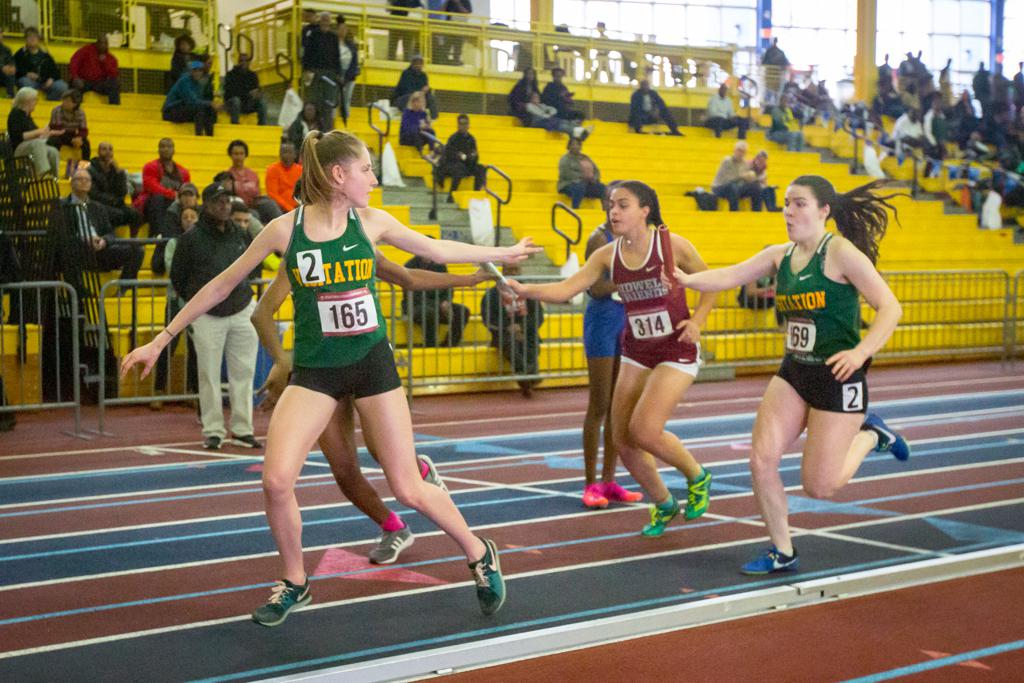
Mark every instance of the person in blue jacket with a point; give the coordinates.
(190, 99)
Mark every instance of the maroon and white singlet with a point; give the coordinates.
(652, 312)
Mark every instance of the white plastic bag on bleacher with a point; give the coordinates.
(291, 107)
(481, 222)
(871, 163)
(991, 217)
(390, 174)
(570, 268)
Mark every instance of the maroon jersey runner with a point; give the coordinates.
(652, 309)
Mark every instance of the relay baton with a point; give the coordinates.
(493, 270)
(667, 259)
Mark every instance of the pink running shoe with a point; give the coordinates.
(613, 492)
(593, 498)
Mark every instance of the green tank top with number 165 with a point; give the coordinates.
(337, 314)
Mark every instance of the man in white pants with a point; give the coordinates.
(225, 331)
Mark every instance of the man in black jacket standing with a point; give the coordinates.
(413, 79)
(321, 66)
(109, 188)
(460, 159)
(242, 93)
(202, 254)
(90, 226)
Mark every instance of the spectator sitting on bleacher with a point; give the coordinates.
(94, 68)
(241, 218)
(190, 99)
(161, 179)
(282, 176)
(184, 54)
(94, 229)
(306, 121)
(936, 130)
(884, 73)
(35, 67)
(242, 93)
(416, 123)
(522, 94)
(225, 331)
(735, 178)
(414, 80)
(646, 107)
(433, 307)
(977, 150)
(26, 138)
(247, 183)
(68, 127)
(886, 103)
(908, 132)
(785, 128)
(963, 120)
(578, 175)
(227, 181)
(7, 69)
(110, 187)
(766, 193)
(981, 83)
(514, 326)
(557, 95)
(546, 117)
(460, 159)
(188, 198)
(721, 115)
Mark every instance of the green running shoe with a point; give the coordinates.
(661, 515)
(490, 585)
(285, 597)
(697, 496)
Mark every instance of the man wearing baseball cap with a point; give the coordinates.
(190, 99)
(225, 331)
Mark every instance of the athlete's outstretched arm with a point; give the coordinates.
(557, 292)
(858, 269)
(416, 279)
(274, 237)
(763, 263)
(385, 228)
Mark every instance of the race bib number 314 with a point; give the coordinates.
(347, 313)
(650, 324)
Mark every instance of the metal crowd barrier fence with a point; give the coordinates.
(131, 313)
(39, 349)
(1015, 319)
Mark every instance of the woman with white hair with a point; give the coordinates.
(28, 139)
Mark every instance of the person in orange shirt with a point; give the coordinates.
(282, 176)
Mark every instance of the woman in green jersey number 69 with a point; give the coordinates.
(341, 349)
(822, 382)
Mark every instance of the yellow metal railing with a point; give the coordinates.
(469, 45)
(135, 24)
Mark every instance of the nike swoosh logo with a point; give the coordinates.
(350, 246)
(651, 268)
(803, 277)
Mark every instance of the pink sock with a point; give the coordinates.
(424, 470)
(392, 523)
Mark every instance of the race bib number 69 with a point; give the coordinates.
(347, 313)
(800, 335)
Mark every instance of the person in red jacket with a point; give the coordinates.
(161, 179)
(93, 67)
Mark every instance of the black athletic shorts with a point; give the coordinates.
(816, 385)
(374, 374)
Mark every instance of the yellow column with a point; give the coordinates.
(542, 14)
(865, 71)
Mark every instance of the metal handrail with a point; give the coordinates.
(501, 201)
(221, 27)
(433, 177)
(569, 241)
(748, 90)
(381, 134)
(241, 37)
(278, 59)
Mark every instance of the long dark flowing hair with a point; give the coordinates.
(860, 214)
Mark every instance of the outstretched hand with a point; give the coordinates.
(145, 355)
(690, 331)
(679, 279)
(523, 249)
